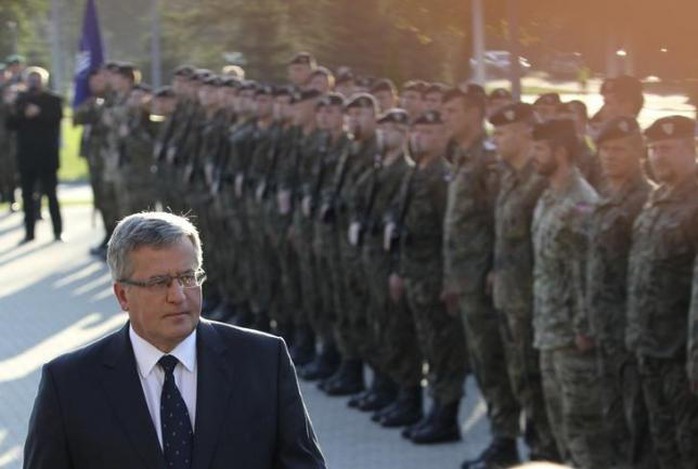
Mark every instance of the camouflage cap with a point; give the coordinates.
(384, 84)
(331, 99)
(303, 58)
(185, 71)
(394, 116)
(362, 100)
(300, 96)
(671, 127)
(165, 92)
(429, 118)
(419, 86)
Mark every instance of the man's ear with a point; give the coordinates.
(120, 293)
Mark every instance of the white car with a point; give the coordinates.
(498, 63)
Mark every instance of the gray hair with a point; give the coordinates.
(154, 229)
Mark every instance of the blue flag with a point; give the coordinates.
(90, 53)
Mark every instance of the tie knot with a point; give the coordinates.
(168, 363)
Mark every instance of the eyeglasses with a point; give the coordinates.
(163, 282)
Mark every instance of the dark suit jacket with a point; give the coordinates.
(90, 411)
(38, 138)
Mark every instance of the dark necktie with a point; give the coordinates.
(177, 434)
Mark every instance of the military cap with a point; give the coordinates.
(201, 74)
(15, 59)
(300, 96)
(555, 129)
(213, 80)
(231, 82)
(436, 88)
(500, 93)
(144, 87)
(394, 116)
(322, 71)
(415, 85)
(362, 100)
(331, 99)
(303, 58)
(344, 77)
(283, 91)
(429, 118)
(185, 71)
(472, 98)
(512, 113)
(383, 84)
(112, 66)
(671, 127)
(248, 85)
(129, 71)
(365, 82)
(616, 128)
(264, 90)
(164, 92)
(548, 99)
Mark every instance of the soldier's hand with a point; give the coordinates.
(450, 299)
(584, 343)
(396, 286)
(32, 110)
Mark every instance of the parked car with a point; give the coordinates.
(498, 63)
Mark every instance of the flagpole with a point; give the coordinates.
(156, 60)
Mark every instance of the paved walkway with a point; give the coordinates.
(54, 298)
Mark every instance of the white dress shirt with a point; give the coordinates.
(152, 376)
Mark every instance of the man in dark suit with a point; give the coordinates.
(36, 117)
(169, 390)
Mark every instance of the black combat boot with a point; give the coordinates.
(442, 429)
(349, 379)
(353, 403)
(303, 349)
(324, 365)
(409, 430)
(406, 410)
(384, 393)
(500, 454)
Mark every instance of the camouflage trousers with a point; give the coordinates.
(439, 335)
(285, 276)
(487, 360)
(237, 282)
(572, 391)
(672, 410)
(623, 409)
(351, 328)
(329, 268)
(303, 244)
(390, 324)
(523, 366)
(109, 207)
(260, 262)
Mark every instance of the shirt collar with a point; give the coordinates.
(147, 355)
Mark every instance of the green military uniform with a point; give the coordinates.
(137, 182)
(468, 246)
(624, 411)
(114, 120)
(88, 114)
(571, 384)
(660, 301)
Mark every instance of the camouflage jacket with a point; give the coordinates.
(513, 248)
(560, 238)
(661, 270)
(469, 219)
(607, 260)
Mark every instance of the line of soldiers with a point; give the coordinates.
(553, 262)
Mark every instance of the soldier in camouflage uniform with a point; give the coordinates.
(418, 221)
(560, 230)
(621, 150)
(512, 277)
(468, 245)
(334, 143)
(662, 296)
(351, 325)
(397, 362)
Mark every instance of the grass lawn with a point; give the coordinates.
(73, 168)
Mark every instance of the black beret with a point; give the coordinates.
(146, 88)
(384, 84)
(186, 71)
(264, 90)
(671, 127)
(415, 85)
(302, 58)
(231, 82)
(201, 74)
(213, 80)
(548, 99)
(555, 129)
(516, 112)
(429, 118)
(362, 100)
(500, 93)
(619, 127)
(165, 92)
(331, 99)
(248, 85)
(394, 116)
(305, 95)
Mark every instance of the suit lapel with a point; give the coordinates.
(124, 391)
(213, 395)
